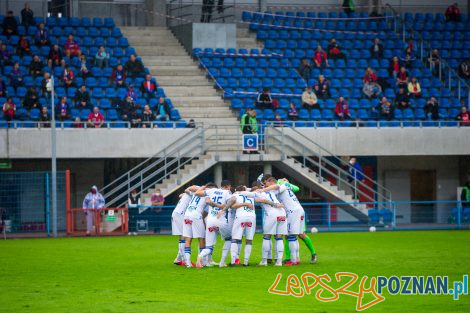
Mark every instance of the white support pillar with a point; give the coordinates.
(267, 168)
(218, 174)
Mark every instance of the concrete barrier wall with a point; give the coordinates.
(87, 143)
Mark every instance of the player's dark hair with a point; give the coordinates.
(240, 188)
(211, 185)
(267, 177)
(255, 184)
(225, 183)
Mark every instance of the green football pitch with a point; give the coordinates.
(136, 274)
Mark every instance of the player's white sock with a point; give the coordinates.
(239, 247)
(279, 248)
(234, 251)
(187, 256)
(205, 252)
(225, 251)
(298, 250)
(292, 247)
(247, 252)
(266, 248)
(181, 249)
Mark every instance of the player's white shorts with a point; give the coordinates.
(275, 225)
(177, 222)
(295, 222)
(194, 227)
(244, 225)
(213, 227)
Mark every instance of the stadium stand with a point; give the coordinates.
(90, 34)
(289, 37)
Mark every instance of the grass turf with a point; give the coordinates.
(136, 274)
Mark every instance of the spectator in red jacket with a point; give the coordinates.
(320, 58)
(23, 46)
(96, 119)
(55, 57)
(71, 47)
(342, 110)
(118, 76)
(394, 67)
(68, 77)
(9, 109)
(334, 50)
(453, 13)
(463, 117)
(148, 87)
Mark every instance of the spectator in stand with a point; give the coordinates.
(62, 110)
(163, 110)
(71, 47)
(148, 88)
(3, 88)
(131, 93)
(402, 101)
(402, 78)
(102, 58)
(432, 109)
(9, 109)
(95, 119)
(334, 50)
(386, 109)
(44, 85)
(322, 88)
(68, 77)
(408, 57)
(342, 110)
(348, 7)
(45, 117)
(126, 108)
(435, 62)
(5, 56)
(83, 63)
(277, 122)
(453, 13)
(27, 16)
(118, 76)
(42, 36)
(77, 123)
(371, 88)
(463, 117)
(320, 58)
(134, 119)
(245, 122)
(157, 199)
(55, 57)
(264, 100)
(134, 68)
(309, 99)
(464, 69)
(23, 46)
(16, 77)
(377, 49)
(31, 99)
(305, 68)
(394, 67)
(147, 117)
(293, 114)
(35, 67)
(10, 25)
(414, 88)
(82, 98)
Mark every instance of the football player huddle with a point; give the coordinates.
(203, 212)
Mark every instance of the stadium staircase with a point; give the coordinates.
(247, 39)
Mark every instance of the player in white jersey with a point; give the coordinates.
(177, 222)
(216, 199)
(245, 222)
(295, 218)
(193, 223)
(275, 223)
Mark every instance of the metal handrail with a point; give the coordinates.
(338, 170)
(144, 172)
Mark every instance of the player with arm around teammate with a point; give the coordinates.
(177, 222)
(193, 226)
(215, 199)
